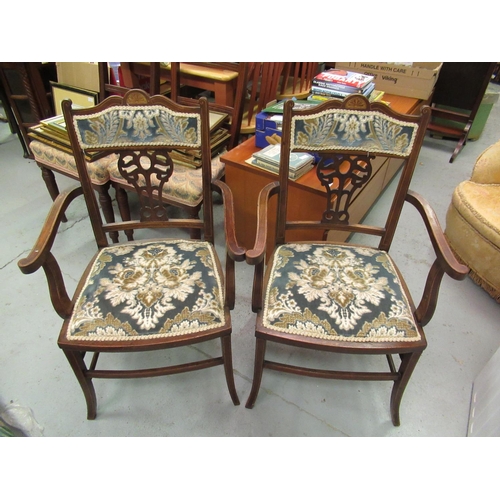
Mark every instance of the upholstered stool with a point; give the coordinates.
(184, 189)
(473, 221)
(50, 160)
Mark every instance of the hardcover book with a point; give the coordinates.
(324, 91)
(271, 156)
(278, 107)
(334, 77)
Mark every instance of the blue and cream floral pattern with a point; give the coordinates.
(368, 131)
(129, 126)
(335, 292)
(149, 289)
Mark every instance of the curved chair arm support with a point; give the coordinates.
(446, 262)
(234, 249)
(41, 256)
(234, 252)
(445, 255)
(257, 253)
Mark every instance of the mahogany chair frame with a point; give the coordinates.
(336, 218)
(152, 217)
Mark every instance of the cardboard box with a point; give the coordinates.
(416, 81)
(264, 128)
(84, 75)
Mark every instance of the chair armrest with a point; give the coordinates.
(256, 255)
(234, 249)
(41, 256)
(445, 262)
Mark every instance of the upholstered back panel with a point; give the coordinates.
(345, 129)
(122, 126)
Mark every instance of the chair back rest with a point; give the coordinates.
(234, 111)
(351, 140)
(145, 76)
(262, 87)
(296, 79)
(25, 89)
(142, 130)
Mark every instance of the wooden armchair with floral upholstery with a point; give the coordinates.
(344, 298)
(156, 292)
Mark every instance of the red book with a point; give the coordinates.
(334, 78)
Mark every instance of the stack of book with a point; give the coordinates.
(339, 83)
(269, 159)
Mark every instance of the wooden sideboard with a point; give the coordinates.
(306, 193)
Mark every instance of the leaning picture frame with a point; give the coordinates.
(81, 98)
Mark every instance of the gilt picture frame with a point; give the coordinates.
(81, 98)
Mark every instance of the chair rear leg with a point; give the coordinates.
(408, 363)
(228, 368)
(76, 361)
(260, 351)
(124, 208)
(107, 208)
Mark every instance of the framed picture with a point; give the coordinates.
(81, 98)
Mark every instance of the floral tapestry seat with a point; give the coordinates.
(147, 290)
(337, 293)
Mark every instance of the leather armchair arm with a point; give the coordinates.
(487, 167)
(41, 256)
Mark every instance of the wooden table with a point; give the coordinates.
(220, 78)
(306, 193)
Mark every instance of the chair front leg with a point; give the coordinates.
(408, 363)
(228, 368)
(77, 362)
(260, 351)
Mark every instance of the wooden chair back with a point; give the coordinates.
(142, 130)
(296, 79)
(132, 74)
(262, 85)
(234, 111)
(350, 140)
(26, 91)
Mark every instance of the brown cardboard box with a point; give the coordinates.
(417, 80)
(84, 75)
